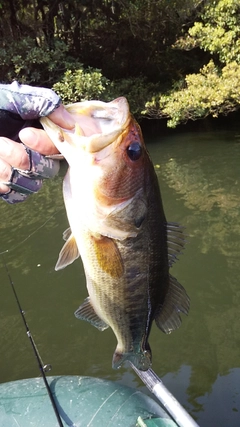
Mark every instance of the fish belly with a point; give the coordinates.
(123, 283)
(123, 303)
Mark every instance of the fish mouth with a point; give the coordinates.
(99, 129)
(109, 121)
(97, 125)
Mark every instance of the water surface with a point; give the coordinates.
(199, 363)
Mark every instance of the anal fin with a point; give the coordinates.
(87, 312)
(176, 301)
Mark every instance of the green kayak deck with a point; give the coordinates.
(81, 402)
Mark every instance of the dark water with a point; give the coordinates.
(199, 363)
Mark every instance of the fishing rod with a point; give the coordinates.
(43, 368)
(173, 407)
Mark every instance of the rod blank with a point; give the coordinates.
(168, 401)
(34, 347)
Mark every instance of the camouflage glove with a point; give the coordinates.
(20, 107)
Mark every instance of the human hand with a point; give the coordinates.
(22, 169)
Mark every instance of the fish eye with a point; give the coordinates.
(134, 151)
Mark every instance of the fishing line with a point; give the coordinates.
(31, 234)
(43, 368)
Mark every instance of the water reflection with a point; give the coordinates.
(200, 185)
(199, 363)
(30, 223)
(208, 183)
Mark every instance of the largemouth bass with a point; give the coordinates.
(118, 226)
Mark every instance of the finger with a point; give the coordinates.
(38, 140)
(68, 121)
(13, 153)
(62, 118)
(5, 173)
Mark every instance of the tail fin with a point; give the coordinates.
(142, 360)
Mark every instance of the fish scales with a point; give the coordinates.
(118, 227)
(122, 302)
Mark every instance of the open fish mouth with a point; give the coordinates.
(109, 121)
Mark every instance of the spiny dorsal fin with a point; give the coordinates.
(176, 240)
(168, 319)
(87, 312)
(69, 251)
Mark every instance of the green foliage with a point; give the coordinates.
(134, 48)
(28, 63)
(210, 92)
(81, 85)
(122, 38)
(214, 89)
(218, 32)
(136, 89)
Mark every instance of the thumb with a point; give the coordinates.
(62, 118)
(37, 140)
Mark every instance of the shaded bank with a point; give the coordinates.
(209, 124)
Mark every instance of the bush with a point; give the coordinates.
(81, 85)
(214, 89)
(137, 90)
(210, 92)
(28, 63)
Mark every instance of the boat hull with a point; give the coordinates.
(81, 402)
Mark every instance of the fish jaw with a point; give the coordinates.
(108, 120)
(109, 186)
(111, 179)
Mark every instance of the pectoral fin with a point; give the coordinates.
(87, 312)
(168, 318)
(69, 251)
(108, 256)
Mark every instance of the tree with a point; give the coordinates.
(122, 38)
(129, 42)
(214, 89)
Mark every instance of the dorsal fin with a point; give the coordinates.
(69, 251)
(176, 240)
(176, 301)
